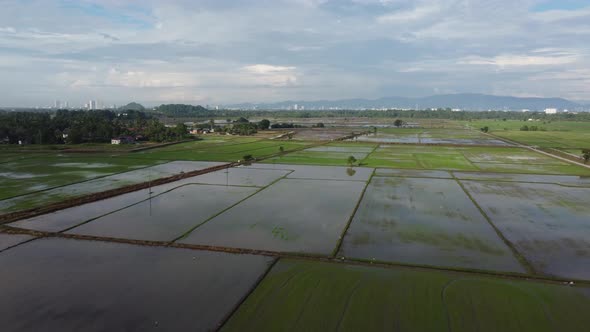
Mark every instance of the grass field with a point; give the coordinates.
(221, 149)
(559, 134)
(310, 296)
(491, 159)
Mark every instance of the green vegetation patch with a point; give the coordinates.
(311, 296)
(230, 150)
(489, 159)
(18, 177)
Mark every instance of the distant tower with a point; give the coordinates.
(57, 104)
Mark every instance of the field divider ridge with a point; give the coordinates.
(185, 234)
(352, 214)
(89, 198)
(521, 259)
(305, 256)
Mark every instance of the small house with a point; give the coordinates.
(123, 140)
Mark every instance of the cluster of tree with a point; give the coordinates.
(586, 155)
(531, 128)
(184, 111)
(66, 126)
(242, 129)
(485, 129)
(284, 125)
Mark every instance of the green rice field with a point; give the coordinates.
(312, 296)
(438, 230)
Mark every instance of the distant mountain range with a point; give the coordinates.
(465, 101)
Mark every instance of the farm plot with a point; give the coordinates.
(424, 222)
(413, 173)
(321, 134)
(419, 157)
(431, 136)
(292, 215)
(9, 240)
(23, 176)
(68, 218)
(321, 172)
(548, 224)
(101, 184)
(313, 296)
(167, 216)
(317, 158)
(564, 180)
(549, 139)
(232, 150)
(490, 159)
(99, 286)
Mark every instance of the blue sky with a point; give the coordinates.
(222, 51)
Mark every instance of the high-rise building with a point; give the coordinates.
(57, 104)
(92, 105)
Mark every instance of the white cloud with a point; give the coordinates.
(520, 60)
(411, 15)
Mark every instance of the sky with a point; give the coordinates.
(222, 52)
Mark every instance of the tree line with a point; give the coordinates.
(74, 127)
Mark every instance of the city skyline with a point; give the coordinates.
(211, 52)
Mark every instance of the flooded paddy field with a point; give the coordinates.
(22, 176)
(424, 221)
(10, 240)
(430, 136)
(564, 180)
(228, 150)
(292, 215)
(101, 184)
(547, 223)
(321, 172)
(412, 173)
(71, 285)
(67, 218)
(314, 296)
(321, 134)
(166, 216)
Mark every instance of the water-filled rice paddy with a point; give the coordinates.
(430, 136)
(313, 296)
(101, 184)
(564, 180)
(70, 285)
(548, 224)
(166, 216)
(18, 177)
(322, 172)
(424, 221)
(292, 215)
(9, 240)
